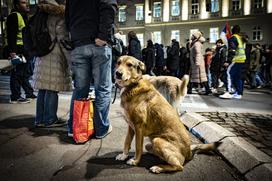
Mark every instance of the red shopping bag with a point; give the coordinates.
(83, 127)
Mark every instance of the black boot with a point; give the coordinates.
(207, 88)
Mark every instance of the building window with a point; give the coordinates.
(175, 35)
(192, 31)
(258, 4)
(140, 37)
(122, 14)
(257, 33)
(175, 8)
(214, 6)
(156, 37)
(139, 12)
(33, 2)
(157, 9)
(195, 6)
(214, 35)
(235, 5)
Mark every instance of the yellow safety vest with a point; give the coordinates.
(21, 25)
(240, 54)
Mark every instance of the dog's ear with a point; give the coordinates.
(141, 66)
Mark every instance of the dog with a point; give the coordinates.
(172, 88)
(149, 114)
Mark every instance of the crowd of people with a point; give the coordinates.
(231, 64)
(96, 50)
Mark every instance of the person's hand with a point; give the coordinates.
(100, 42)
(226, 64)
(12, 55)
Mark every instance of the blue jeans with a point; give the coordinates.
(90, 61)
(46, 107)
(236, 72)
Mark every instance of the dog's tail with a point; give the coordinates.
(205, 148)
(184, 84)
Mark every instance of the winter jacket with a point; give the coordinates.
(148, 55)
(198, 73)
(219, 59)
(90, 19)
(255, 57)
(160, 61)
(52, 71)
(134, 48)
(173, 57)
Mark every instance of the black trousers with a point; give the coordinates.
(19, 77)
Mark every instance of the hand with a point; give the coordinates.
(100, 42)
(12, 55)
(226, 64)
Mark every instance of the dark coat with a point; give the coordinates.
(219, 59)
(173, 57)
(160, 62)
(134, 48)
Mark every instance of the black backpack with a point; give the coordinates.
(37, 40)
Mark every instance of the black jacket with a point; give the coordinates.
(134, 48)
(90, 19)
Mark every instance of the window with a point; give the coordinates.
(235, 5)
(195, 7)
(257, 33)
(175, 35)
(214, 6)
(192, 31)
(139, 12)
(156, 37)
(214, 35)
(175, 9)
(140, 37)
(33, 2)
(122, 14)
(258, 4)
(157, 9)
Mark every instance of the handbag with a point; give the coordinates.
(83, 127)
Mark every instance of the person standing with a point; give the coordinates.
(148, 54)
(237, 55)
(19, 77)
(254, 65)
(52, 71)
(160, 63)
(134, 46)
(197, 64)
(173, 59)
(90, 24)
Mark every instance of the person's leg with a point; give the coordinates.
(50, 107)
(81, 71)
(101, 66)
(27, 87)
(39, 119)
(229, 77)
(15, 87)
(252, 79)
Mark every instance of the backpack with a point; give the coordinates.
(117, 47)
(37, 40)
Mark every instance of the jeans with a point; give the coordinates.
(46, 107)
(90, 61)
(236, 77)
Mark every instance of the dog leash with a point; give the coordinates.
(115, 93)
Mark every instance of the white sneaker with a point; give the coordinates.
(226, 95)
(221, 84)
(236, 96)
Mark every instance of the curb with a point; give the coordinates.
(246, 158)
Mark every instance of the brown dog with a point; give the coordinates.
(171, 88)
(149, 114)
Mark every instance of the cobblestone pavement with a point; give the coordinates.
(254, 128)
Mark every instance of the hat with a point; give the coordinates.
(197, 34)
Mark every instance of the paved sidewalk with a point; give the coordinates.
(246, 139)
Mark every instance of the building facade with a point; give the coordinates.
(163, 20)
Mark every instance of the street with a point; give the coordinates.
(28, 153)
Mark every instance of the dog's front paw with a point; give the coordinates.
(121, 157)
(156, 169)
(132, 162)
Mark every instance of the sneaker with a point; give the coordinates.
(70, 135)
(108, 132)
(226, 95)
(236, 96)
(55, 123)
(221, 84)
(31, 97)
(20, 101)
